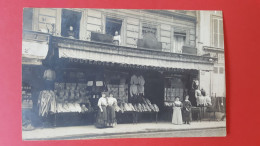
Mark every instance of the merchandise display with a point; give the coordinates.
(26, 97)
(144, 105)
(70, 107)
(46, 102)
(72, 97)
(137, 85)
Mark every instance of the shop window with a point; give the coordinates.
(27, 18)
(174, 87)
(215, 70)
(217, 32)
(70, 24)
(149, 30)
(221, 70)
(179, 40)
(113, 25)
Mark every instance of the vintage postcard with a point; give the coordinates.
(122, 73)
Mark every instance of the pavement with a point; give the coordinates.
(90, 131)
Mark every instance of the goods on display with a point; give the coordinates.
(46, 102)
(26, 97)
(136, 85)
(70, 107)
(144, 106)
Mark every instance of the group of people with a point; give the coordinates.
(202, 98)
(181, 111)
(106, 116)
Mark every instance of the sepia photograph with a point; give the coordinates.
(122, 73)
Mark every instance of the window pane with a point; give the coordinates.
(220, 27)
(221, 70)
(221, 41)
(179, 41)
(27, 18)
(215, 70)
(113, 25)
(215, 25)
(215, 40)
(70, 23)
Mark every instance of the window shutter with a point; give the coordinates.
(215, 32)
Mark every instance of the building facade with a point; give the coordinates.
(211, 43)
(105, 48)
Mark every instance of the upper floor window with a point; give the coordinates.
(221, 70)
(215, 70)
(179, 39)
(217, 32)
(70, 23)
(27, 18)
(113, 25)
(149, 37)
(114, 28)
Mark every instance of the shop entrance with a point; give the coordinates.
(154, 88)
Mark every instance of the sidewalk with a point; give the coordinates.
(91, 131)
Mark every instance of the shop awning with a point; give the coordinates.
(130, 59)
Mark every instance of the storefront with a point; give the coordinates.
(34, 50)
(145, 82)
(85, 69)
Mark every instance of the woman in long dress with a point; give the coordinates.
(176, 115)
(111, 115)
(187, 110)
(102, 112)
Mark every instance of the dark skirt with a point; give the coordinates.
(111, 116)
(186, 115)
(101, 118)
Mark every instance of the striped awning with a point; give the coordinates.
(132, 60)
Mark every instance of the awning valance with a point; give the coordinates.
(132, 60)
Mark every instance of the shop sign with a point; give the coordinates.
(84, 61)
(35, 49)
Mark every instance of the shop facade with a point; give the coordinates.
(151, 64)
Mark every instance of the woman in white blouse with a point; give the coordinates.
(177, 115)
(102, 112)
(111, 115)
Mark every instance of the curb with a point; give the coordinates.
(91, 136)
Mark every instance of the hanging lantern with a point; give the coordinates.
(49, 75)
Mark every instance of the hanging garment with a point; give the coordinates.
(141, 80)
(46, 102)
(134, 80)
(140, 86)
(133, 90)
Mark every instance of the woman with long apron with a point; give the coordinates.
(102, 112)
(187, 110)
(176, 115)
(111, 115)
